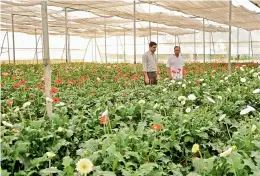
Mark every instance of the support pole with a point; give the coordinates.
(175, 40)
(249, 45)
(66, 36)
(213, 45)
(99, 53)
(3, 44)
(229, 50)
(46, 56)
(204, 55)
(134, 33)
(86, 50)
(237, 43)
(69, 51)
(195, 55)
(157, 42)
(92, 50)
(150, 30)
(116, 49)
(209, 46)
(252, 51)
(105, 42)
(8, 48)
(124, 47)
(178, 41)
(36, 46)
(63, 51)
(95, 47)
(13, 38)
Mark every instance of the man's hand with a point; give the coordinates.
(147, 80)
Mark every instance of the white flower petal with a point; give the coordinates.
(256, 91)
(247, 110)
(192, 97)
(211, 100)
(226, 153)
(7, 124)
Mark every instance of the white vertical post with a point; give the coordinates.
(150, 30)
(237, 42)
(106, 43)
(251, 41)
(86, 50)
(66, 37)
(3, 43)
(157, 42)
(46, 56)
(229, 50)
(124, 47)
(195, 55)
(175, 40)
(209, 46)
(116, 49)
(92, 50)
(69, 47)
(13, 38)
(134, 33)
(249, 44)
(95, 47)
(8, 49)
(36, 46)
(204, 54)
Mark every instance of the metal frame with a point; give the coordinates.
(134, 32)
(86, 50)
(13, 38)
(204, 52)
(46, 57)
(229, 51)
(105, 26)
(66, 35)
(237, 43)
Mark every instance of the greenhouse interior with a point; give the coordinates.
(79, 81)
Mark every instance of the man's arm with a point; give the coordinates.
(145, 67)
(168, 65)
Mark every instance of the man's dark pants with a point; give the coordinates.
(152, 78)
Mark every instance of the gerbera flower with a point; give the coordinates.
(84, 166)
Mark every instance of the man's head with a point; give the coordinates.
(177, 50)
(152, 46)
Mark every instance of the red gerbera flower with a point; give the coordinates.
(16, 86)
(67, 68)
(173, 71)
(10, 101)
(56, 100)
(126, 85)
(54, 90)
(157, 127)
(21, 82)
(58, 82)
(104, 120)
(92, 94)
(197, 82)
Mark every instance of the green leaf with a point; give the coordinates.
(250, 163)
(67, 160)
(188, 139)
(145, 169)
(199, 164)
(51, 170)
(4, 173)
(69, 133)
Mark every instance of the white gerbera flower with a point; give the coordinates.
(183, 85)
(192, 97)
(221, 81)
(204, 84)
(98, 79)
(49, 99)
(201, 80)
(182, 98)
(241, 68)
(7, 124)
(164, 90)
(84, 166)
(188, 110)
(173, 81)
(226, 153)
(179, 83)
(183, 102)
(226, 78)
(50, 155)
(247, 110)
(211, 100)
(141, 102)
(256, 91)
(26, 104)
(243, 80)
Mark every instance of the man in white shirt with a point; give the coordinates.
(150, 64)
(175, 65)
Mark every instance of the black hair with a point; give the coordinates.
(152, 44)
(177, 47)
